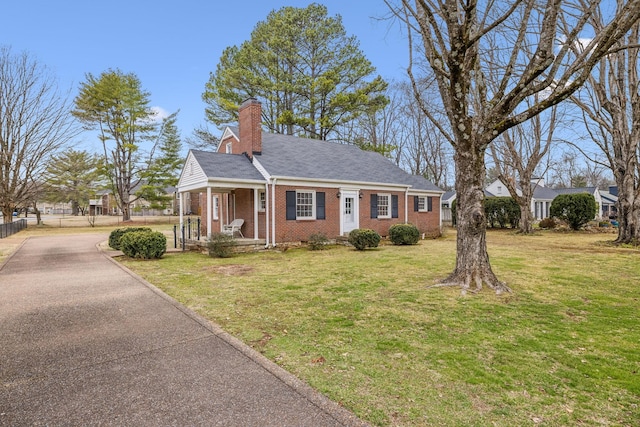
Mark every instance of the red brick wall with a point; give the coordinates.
(427, 222)
(301, 230)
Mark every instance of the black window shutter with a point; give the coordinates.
(291, 205)
(416, 203)
(374, 206)
(394, 206)
(320, 212)
(429, 203)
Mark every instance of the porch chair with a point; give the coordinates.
(233, 226)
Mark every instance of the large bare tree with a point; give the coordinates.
(455, 37)
(610, 103)
(35, 122)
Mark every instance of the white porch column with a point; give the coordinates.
(209, 212)
(181, 209)
(256, 200)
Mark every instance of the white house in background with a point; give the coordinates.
(543, 196)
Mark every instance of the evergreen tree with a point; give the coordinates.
(310, 76)
(115, 105)
(71, 177)
(162, 173)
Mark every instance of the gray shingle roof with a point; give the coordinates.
(290, 156)
(543, 193)
(226, 166)
(589, 190)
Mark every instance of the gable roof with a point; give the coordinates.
(227, 166)
(303, 158)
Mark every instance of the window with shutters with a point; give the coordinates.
(425, 204)
(384, 206)
(305, 206)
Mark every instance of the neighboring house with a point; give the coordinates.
(105, 204)
(543, 196)
(446, 203)
(287, 188)
(610, 202)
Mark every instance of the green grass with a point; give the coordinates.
(365, 328)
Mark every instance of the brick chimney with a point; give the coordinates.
(249, 119)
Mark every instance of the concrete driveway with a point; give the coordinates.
(86, 342)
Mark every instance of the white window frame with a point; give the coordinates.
(228, 148)
(422, 204)
(388, 205)
(262, 201)
(313, 205)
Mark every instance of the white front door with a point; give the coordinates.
(349, 211)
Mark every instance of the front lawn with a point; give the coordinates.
(365, 329)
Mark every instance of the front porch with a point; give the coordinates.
(242, 245)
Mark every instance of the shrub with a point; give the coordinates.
(548, 223)
(317, 241)
(404, 234)
(503, 211)
(116, 235)
(143, 244)
(220, 245)
(576, 209)
(362, 238)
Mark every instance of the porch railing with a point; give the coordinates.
(190, 231)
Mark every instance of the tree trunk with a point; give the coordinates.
(7, 213)
(524, 201)
(628, 211)
(472, 261)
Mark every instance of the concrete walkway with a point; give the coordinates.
(85, 342)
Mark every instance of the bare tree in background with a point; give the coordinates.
(35, 122)
(425, 150)
(454, 40)
(610, 103)
(517, 154)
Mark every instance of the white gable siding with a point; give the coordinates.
(497, 188)
(192, 175)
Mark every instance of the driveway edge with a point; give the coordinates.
(339, 413)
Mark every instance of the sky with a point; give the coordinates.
(171, 46)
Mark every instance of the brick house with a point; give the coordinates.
(287, 188)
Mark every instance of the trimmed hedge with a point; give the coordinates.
(404, 234)
(576, 209)
(501, 211)
(143, 244)
(362, 238)
(116, 235)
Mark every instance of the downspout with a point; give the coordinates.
(273, 212)
(266, 214)
(406, 205)
(209, 212)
